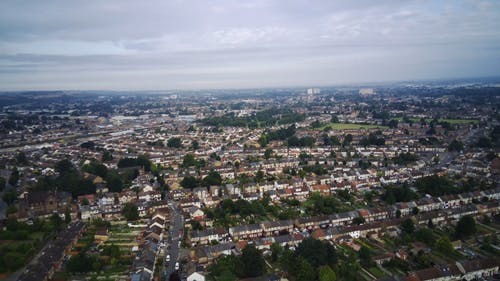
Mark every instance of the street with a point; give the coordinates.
(174, 239)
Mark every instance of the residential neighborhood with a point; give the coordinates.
(398, 184)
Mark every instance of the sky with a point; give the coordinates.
(188, 44)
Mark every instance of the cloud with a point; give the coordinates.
(222, 43)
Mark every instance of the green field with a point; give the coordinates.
(342, 126)
(451, 121)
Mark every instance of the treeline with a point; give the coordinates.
(265, 118)
(372, 139)
(141, 161)
(405, 158)
(280, 134)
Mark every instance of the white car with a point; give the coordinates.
(168, 258)
(176, 266)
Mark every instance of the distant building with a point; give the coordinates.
(366, 91)
(313, 91)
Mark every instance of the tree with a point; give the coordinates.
(88, 145)
(14, 177)
(327, 274)
(189, 182)
(21, 158)
(252, 262)
(358, 220)
(130, 212)
(347, 140)
(195, 145)
(106, 156)
(2, 184)
(364, 255)
(305, 271)
(455, 145)
(56, 221)
(276, 250)
(64, 166)
(174, 143)
(259, 176)
(407, 226)
(9, 197)
(466, 226)
(114, 182)
(189, 161)
(268, 153)
(213, 178)
(316, 252)
(67, 216)
(443, 244)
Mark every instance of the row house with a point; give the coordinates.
(276, 227)
(204, 237)
(343, 218)
(249, 231)
(150, 195)
(127, 196)
(312, 222)
(427, 204)
(290, 240)
(406, 208)
(89, 212)
(323, 189)
(375, 214)
(449, 201)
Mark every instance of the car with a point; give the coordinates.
(176, 266)
(167, 258)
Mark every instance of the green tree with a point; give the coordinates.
(114, 181)
(21, 158)
(443, 244)
(106, 156)
(327, 274)
(2, 184)
(455, 145)
(268, 153)
(174, 143)
(213, 178)
(407, 226)
(316, 252)
(252, 262)
(189, 161)
(305, 271)
(9, 196)
(130, 212)
(465, 227)
(195, 145)
(56, 221)
(14, 177)
(347, 140)
(364, 255)
(189, 182)
(276, 250)
(67, 216)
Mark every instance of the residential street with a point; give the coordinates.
(174, 239)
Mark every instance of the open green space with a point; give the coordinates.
(343, 126)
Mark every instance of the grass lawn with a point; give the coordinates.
(376, 271)
(342, 126)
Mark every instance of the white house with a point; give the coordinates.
(196, 276)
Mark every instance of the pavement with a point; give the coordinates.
(174, 237)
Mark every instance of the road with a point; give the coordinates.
(174, 237)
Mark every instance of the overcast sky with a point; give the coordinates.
(183, 44)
